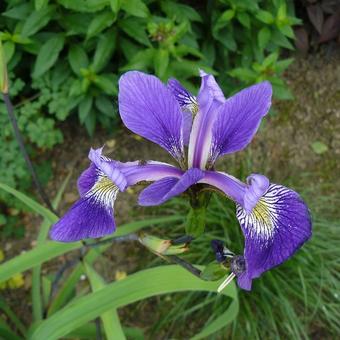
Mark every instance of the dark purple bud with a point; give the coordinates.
(238, 264)
(218, 248)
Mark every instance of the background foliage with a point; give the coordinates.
(65, 58)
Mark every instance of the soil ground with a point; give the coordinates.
(282, 150)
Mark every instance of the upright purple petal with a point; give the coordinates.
(188, 104)
(148, 108)
(166, 188)
(210, 98)
(274, 230)
(239, 118)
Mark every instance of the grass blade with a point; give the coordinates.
(112, 327)
(159, 280)
(35, 206)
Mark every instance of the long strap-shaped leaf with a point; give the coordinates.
(35, 206)
(138, 286)
(50, 249)
(110, 319)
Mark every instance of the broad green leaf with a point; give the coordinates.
(226, 16)
(77, 58)
(180, 12)
(110, 318)
(281, 40)
(244, 19)
(40, 4)
(77, 23)
(37, 20)
(104, 50)
(100, 22)
(319, 148)
(264, 16)
(183, 50)
(136, 8)
(107, 83)
(161, 62)
(138, 286)
(287, 31)
(90, 123)
(282, 12)
(243, 74)
(89, 6)
(270, 60)
(281, 65)
(48, 55)
(9, 49)
(135, 29)
(141, 61)
(263, 37)
(39, 209)
(19, 12)
(105, 106)
(84, 108)
(51, 249)
(115, 5)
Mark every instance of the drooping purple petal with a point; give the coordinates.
(148, 108)
(274, 230)
(91, 216)
(210, 98)
(166, 188)
(239, 118)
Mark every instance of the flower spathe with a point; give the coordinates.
(274, 219)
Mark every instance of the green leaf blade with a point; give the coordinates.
(156, 281)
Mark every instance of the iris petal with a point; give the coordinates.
(210, 98)
(188, 104)
(274, 230)
(166, 188)
(148, 108)
(238, 119)
(91, 216)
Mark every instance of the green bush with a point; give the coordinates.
(65, 57)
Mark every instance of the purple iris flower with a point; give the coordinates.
(196, 131)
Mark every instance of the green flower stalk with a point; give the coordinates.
(3, 71)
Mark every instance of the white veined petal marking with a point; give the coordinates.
(187, 102)
(263, 221)
(103, 192)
